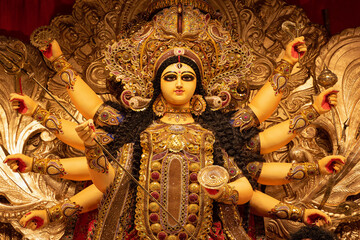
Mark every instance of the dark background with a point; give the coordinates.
(18, 18)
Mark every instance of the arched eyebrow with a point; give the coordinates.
(188, 72)
(166, 73)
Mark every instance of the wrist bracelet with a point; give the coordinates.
(254, 169)
(307, 115)
(287, 211)
(48, 120)
(281, 76)
(244, 119)
(299, 171)
(254, 144)
(63, 210)
(106, 115)
(229, 195)
(96, 159)
(52, 167)
(65, 71)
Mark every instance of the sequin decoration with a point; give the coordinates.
(108, 116)
(96, 159)
(48, 120)
(68, 76)
(254, 169)
(63, 210)
(244, 119)
(171, 176)
(52, 167)
(307, 115)
(287, 211)
(299, 171)
(280, 77)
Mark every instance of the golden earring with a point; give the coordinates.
(159, 106)
(197, 105)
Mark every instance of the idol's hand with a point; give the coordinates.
(19, 162)
(293, 49)
(23, 104)
(316, 217)
(86, 132)
(51, 51)
(331, 164)
(35, 219)
(214, 193)
(325, 100)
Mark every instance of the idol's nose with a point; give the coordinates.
(179, 83)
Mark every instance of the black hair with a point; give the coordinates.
(226, 137)
(313, 233)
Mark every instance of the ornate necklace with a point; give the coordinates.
(178, 115)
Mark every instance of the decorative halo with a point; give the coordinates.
(42, 36)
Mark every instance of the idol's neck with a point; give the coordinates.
(177, 114)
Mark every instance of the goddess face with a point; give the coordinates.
(178, 84)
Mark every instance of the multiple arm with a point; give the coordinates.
(95, 165)
(279, 135)
(82, 96)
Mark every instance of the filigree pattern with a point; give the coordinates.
(96, 23)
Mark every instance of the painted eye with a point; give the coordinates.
(170, 77)
(187, 77)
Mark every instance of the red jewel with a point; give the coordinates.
(154, 217)
(162, 235)
(192, 218)
(155, 175)
(193, 177)
(182, 236)
(193, 198)
(156, 195)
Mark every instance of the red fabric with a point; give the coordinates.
(19, 18)
(342, 14)
(251, 230)
(84, 225)
(216, 232)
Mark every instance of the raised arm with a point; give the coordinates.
(279, 135)
(267, 99)
(82, 96)
(63, 129)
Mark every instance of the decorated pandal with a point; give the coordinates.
(179, 119)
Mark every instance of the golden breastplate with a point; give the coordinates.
(172, 157)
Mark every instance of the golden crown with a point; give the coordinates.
(180, 30)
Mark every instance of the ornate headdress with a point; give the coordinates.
(180, 30)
